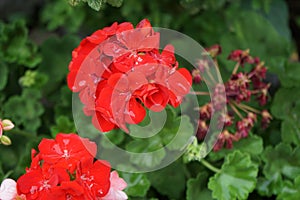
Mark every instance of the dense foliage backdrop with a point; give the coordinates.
(36, 41)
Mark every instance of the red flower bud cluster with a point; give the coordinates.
(234, 93)
(119, 70)
(65, 168)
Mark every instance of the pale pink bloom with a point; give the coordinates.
(8, 189)
(117, 184)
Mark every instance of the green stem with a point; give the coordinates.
(210, 166)
(22, 133)
(236, 67)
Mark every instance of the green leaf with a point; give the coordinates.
(177, 137)
(25, 110)
(282, 160)
(55, 63)
(290, 129)
(289, 76)
(60, 14)
(151, 152)
(95, 4)
(252, 145)
(177, 130)
(63, 102)
(236, 179)
(15, 46)
(290, 191)
(33, 79)
(270, 186)
(115, 3)
(285, 101)
(3, 75)
(63, 125)
(137, 184)
(174, 135)
(250, 30)
(169, 181)
(197, 188)
(115, 137)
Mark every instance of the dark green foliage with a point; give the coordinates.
(35, 52)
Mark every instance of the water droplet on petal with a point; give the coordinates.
(82, 83)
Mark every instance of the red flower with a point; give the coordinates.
(119, 69)
(66, 150)
(154, 96)
(94, 178)
(68, 190)
(64, 169)
(38, 184)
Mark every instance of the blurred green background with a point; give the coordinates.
(38, 36)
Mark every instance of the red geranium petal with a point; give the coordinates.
(136, 80)
(97, 37)
(180, 82)
(101, 123)
(118, 81)
(135, 112)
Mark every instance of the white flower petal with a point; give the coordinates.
(8, 189)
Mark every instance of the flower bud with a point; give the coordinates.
(196, 76)
(5, 140)
(214, 50)
(7, 125)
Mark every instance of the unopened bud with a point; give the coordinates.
(214, 50)
(5, 140)
(7, 124)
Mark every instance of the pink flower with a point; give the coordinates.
(8, 189)
(116, 187)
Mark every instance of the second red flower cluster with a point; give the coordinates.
(65, 169)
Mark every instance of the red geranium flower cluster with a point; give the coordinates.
(64, 169)
(119, 70)
(239, 89)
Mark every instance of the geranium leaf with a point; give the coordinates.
(290, 130)
(3, 75)
(95, 4)
(27, 109)
(282, 107)
(115, 136)
(62, 15)
(197, 188)
(236, 179)
(137, 184)
(174, 174)
(150, 152)
(245, 36)
(178, 136)
(63, 125)
(55, 62)
(282, 159)
(115, 3)
(270, 186)
(15, 45)
(289, 77)
(290, 190)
